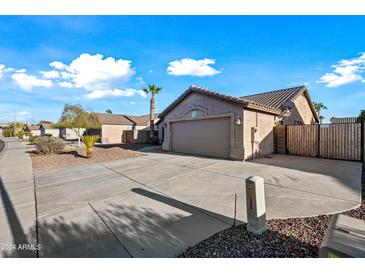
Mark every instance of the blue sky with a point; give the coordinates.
(103, 62)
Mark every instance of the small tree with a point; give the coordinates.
(18, 129)
(153, 90)
(89, 141)
(361, 117)
(109, 111)
(76, 118)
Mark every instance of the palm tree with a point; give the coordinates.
(109, 111)
(153, 90)
(318, 107)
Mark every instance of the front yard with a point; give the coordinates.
(75, 156)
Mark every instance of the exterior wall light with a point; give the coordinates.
(238, 121)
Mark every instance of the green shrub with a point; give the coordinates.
(33, 138)
(9, 132)
(48, 145)
(20, 134)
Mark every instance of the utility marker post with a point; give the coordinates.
(255, 203)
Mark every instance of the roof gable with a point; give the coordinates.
(233, 99)
(113, 119)
(143, 120)
(280, 98)
(276, 98)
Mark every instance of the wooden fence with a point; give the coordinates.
(332, 141)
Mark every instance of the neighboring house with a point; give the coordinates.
(48, 129)
(34, 129)
(112, 127)
(205, 122)
(119, 128)
(142, 122)
(344, 120)
(70, 134)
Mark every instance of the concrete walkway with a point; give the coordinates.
(17, 207)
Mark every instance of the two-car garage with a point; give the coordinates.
(209, 137)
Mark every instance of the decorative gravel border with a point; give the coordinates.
(289, 238)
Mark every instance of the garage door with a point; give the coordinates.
(209, 137)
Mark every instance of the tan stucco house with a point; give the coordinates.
(48, 129)
(42, 129)
(120, 128)
(34, 129)
(209, 123)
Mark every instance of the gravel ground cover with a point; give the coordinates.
(73, 156)
(290, 238)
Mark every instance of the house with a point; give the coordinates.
(112, 127)
(42, 129)
(70, 134)
(34, 129)
(120, 128)
(142, 122)
(209, 123)
(48, 129)
(344, 120)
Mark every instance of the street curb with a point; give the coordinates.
(3, 148)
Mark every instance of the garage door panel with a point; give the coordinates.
(210, 137)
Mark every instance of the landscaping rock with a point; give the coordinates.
(289, 238)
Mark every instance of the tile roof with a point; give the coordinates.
(143, 120)
(113, 119)
(47, 126)
(275, 98)
(234, 99)
(344, 120)
(33, 127)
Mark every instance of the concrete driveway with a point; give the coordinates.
(158, 204)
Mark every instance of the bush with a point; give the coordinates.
(9, 132)
(20, 134)
(48, 145)
(32, 138)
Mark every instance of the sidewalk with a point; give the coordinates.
(17, 206)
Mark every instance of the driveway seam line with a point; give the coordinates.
(111, 231)
(168, 196)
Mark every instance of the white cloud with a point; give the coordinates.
(140, 81)
(58, 65)
(2, 67)
(27, 82)
(100, 77)
(65, 84)
(97, 94)
(94, 72)
(52, 74)
(188, 66)
(345, 72)
(26, 113)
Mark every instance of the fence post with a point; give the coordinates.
(286, 140)
(363, 160)
(362, 143)
(318, 140)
